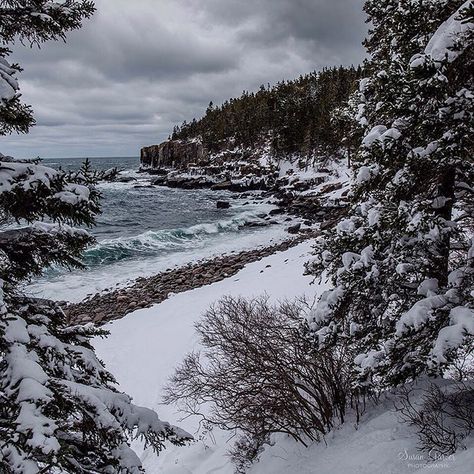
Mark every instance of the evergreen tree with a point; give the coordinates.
(402, 262)
(60, 410)
(32, 22)
(294, 117)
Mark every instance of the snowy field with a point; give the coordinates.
(144, 348)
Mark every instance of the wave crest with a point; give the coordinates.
(163, 241)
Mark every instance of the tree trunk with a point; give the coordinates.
(445, 190)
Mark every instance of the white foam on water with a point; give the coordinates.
(76, 285)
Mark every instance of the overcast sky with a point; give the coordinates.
(139, 67)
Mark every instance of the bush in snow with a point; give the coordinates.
(443, 417)
(402, 262)
(259, 373)
(60, 410)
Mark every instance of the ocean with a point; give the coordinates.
(144, 230)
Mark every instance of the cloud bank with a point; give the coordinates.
(139, 68)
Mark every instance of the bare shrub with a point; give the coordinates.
(259, 373)
(441, 417)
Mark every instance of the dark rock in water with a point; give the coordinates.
(143, 186)
(153, 172)
(224, 186)
(277, 211)
(294, 229)
(223, 204)
(257, 224)
(125, 179)
(160, 172)
(158, 181)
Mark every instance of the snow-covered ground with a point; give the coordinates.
(144, 347)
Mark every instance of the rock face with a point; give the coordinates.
(176, 154)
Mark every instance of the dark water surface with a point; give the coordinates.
(142, 228)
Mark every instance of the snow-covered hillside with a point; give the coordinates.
(144, 348)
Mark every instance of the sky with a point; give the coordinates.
(137, 68)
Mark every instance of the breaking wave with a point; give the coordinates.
(151, 242)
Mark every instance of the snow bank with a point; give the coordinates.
(144, 347)
(379, 444)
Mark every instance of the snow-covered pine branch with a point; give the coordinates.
(32, 22)
(60, 410)
(14, 116)
(57, 195)
(59, 406)
(401, 295)
(36, 21)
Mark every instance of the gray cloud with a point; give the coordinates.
(138, 68)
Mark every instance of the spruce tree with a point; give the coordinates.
(402, 262)
(60, 410)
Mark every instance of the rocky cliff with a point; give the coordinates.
(176, 154)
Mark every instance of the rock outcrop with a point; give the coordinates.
(175, 154)
(305, 189)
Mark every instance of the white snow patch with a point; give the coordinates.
(144, 348)
(444, 43)
(452, 336)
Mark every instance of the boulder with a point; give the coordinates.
(294, 229)
(276, 212)
(159, 181)
(125, 179)
(223, 204)
(225, 185)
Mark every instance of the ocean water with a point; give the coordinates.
(144, 230)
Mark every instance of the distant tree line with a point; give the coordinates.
(296, 116)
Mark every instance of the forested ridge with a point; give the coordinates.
(293, 117)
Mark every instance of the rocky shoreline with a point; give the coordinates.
(145, 292)
(173, 164)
